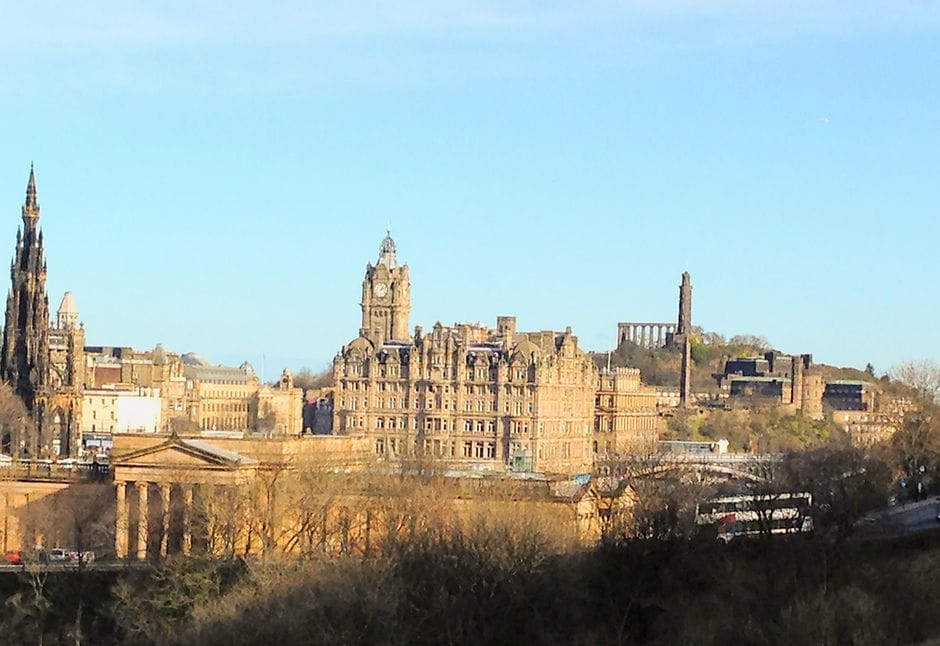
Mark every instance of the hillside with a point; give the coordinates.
(709, 352)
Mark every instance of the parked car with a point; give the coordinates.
(68, 464)
(13, 557)
(58, 554)
(85, 557)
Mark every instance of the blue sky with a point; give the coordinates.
(215, 176)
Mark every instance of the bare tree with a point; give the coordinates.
(648, 497)
(309, 380)
(923, 376)
(914, 449)
(17, 428)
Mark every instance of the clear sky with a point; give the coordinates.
(214, 176)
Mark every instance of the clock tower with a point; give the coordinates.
(386, 298)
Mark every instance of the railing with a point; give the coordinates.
(49, 470)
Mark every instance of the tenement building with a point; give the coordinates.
(467, 396)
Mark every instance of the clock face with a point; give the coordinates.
(380, 289)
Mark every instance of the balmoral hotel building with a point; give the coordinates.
(471, 397)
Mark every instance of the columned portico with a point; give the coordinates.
(646, 335)
(174, 469)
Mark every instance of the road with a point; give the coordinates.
(98, 566)
(902, 520)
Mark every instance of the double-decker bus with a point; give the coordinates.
(757, 514)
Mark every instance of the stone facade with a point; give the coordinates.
(196, 395)
(280, 407)
(626, 415)
(473, 397)
(285, 496)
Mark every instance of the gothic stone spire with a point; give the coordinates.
(25, 352)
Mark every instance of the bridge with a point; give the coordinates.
(752, 467)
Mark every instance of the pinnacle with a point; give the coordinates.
(31, 199)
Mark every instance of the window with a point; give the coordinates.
(491, 450)
(468, 449)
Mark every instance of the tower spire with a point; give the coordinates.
(31, 206)
(31, 188)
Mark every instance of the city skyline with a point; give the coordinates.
(561, 167)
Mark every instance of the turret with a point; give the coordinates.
(67, 315)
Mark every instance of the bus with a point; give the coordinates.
(757, 514)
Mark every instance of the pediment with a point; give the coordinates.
(170, 456)
(184, 454)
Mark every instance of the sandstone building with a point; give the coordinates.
(626, 418)
(474, 397)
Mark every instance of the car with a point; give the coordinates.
(85, 557)
(13, 557)
(58, 554)
(68, 464)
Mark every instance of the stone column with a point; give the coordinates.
(120, 525)
(165, 535)
(231, 499)
(187, 519)
(6, 524)
(143, 489)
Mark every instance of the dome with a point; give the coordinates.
(360, 344)
(526, 350)
(193, 359)
(387, 252)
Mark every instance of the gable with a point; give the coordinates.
(167, 456)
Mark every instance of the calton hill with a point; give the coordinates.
(441, 570)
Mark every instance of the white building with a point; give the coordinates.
(118, 409)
